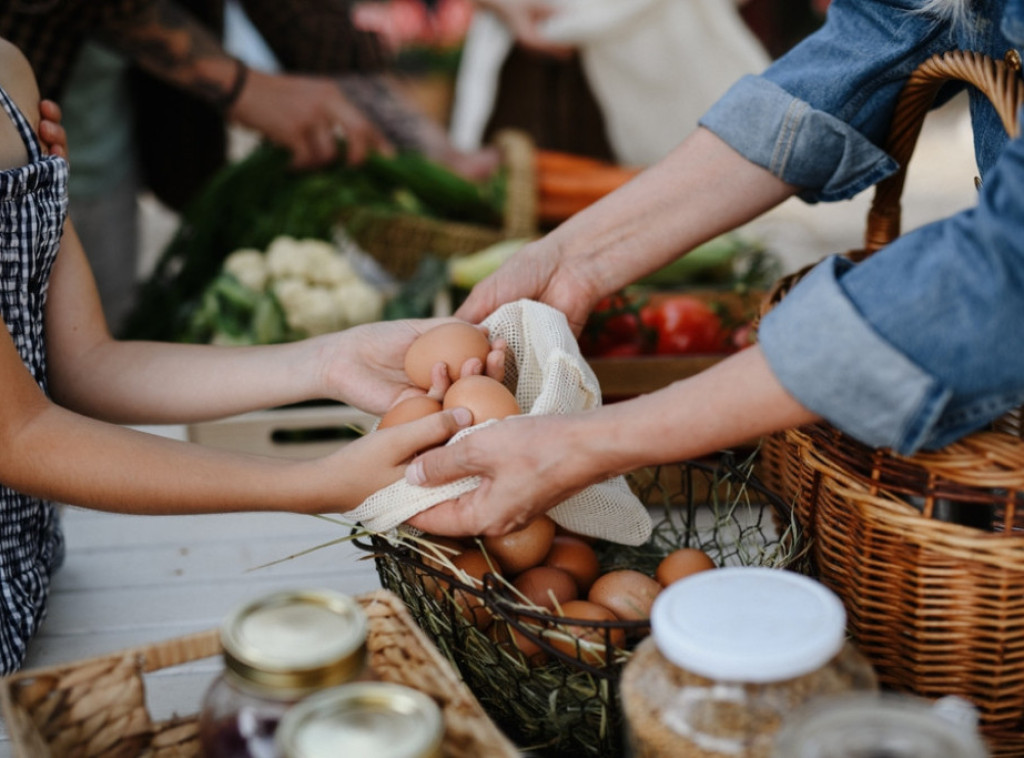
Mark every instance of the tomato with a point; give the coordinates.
(685, 324)
(613, 329)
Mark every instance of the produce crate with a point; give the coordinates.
(624, 377)
(300, 432)
(97, 707)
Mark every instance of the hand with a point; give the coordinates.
(51, 132)
(378, 459)
(307, 115)
(523, 19)
(539, 272)
(364, 365)
(527, 465)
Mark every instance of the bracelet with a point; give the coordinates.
(241, 76)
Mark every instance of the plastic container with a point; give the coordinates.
(863, 725)
(277, 650)
(732, 653)
(363, 720)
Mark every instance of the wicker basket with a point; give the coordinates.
(568, 704)
(927, 551)
(399, 240)
(96, 708)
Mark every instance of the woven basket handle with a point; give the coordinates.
(998, 81)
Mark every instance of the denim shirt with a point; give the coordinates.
(924, 341)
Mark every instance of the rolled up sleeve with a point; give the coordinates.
(799, 144)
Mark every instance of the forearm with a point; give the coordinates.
(700, 190)
(69, 458)
(732, 403)
(170, 43)
(153, 383)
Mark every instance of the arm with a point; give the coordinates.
(306, 114)
(701, 189)
(528, 464)
(156, 382)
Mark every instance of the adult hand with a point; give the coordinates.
(526, 464)
(539, 271)
(307, 115)
(378, 459)
(364, 365)
(523, 18)
(51, 132)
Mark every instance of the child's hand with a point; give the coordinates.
(365, 366)
(51, 133)
(378, 459)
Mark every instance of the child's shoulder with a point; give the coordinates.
(19, 83)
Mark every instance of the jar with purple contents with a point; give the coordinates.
(277, 650)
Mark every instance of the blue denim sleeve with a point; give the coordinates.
(822, 110)
(921, 343)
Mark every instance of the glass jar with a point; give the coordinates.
(866, 725)
(277, 650)
(732, 652)
(363, 720)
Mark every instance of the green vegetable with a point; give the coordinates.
(711, 262)
(467, 270)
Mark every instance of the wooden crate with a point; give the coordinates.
(300, 432)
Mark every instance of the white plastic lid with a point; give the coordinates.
(748, 624)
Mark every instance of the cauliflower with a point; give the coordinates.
(307, 309)
(358, 302)
(286, 259)
(249, 267)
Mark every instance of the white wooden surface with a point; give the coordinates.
(131, 580)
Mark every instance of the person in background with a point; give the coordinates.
(69, 389)
(911, 349)
(148, 89)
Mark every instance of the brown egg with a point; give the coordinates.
(586, 643)
(524, 548)
(681, 563)
(472, 566)
(485, 398)
(410, 409)
(573, 555)
(438, 553)
(507, 636)
(452, 343)
(546, 587)
(627, 593)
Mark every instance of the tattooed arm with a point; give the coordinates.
(305, 114)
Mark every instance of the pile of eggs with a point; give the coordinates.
(557, 572)
(453, 344)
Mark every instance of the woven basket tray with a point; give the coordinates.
(399, 240)
(96, 708)
(926, 551)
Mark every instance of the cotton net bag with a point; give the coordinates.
(549, 376)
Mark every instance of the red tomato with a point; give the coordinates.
(685, 324)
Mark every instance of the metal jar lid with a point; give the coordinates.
(296, 640)
(363, 720)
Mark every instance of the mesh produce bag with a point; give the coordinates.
(549, 376)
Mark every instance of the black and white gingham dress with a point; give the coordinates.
(33, 206)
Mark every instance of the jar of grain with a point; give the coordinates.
(732, 652)
(277, 650)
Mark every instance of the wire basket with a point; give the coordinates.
(567, 703)
(926, 551)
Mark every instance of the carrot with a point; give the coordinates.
(557, 209)
(554, 160)
(595, 182)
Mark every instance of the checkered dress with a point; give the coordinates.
(33, 206)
